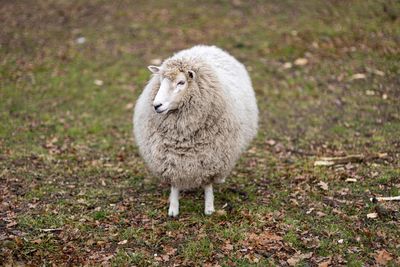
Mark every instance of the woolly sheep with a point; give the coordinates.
(193, 119)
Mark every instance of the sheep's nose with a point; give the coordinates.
(157, 106)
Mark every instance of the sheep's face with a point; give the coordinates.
(172, 89)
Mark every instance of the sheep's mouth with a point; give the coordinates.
(161, 111)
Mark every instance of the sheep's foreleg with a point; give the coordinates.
(173, 202)
(208, 199)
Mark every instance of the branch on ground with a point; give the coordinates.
(330, 161)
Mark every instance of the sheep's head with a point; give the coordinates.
(174, 82)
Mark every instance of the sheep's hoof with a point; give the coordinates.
(173, 212)
(208, 211)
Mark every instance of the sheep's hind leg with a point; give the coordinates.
(173, 210)
(208, 199)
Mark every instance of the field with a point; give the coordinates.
(74, 190)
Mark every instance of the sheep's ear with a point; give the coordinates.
(191, 74)
(154, 69)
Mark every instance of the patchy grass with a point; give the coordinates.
(74, 190)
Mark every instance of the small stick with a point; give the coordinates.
(51, 230)
(330, 161)
(378, 199)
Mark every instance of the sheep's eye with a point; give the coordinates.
(181, 83)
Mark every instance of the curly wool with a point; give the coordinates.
(198, 143)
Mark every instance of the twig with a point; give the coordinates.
(330, 161)
(51, 230)
(380, 199)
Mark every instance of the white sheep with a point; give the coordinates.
(194, 118)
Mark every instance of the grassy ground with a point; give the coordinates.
(75, 192)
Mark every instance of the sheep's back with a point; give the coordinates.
(236, 85)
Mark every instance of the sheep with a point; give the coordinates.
(194, 118)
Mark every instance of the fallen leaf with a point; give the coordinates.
(37, 241)
(165, 257)
(11, 224)
(170, 250)
(129, 106)
(156, 61)
(90, 242)
(358, 76)
(351, 180)
(370, 92)
(378, 72)
(300, 61)
(80, 40)
(323, 185)
(372, 215)
(309, 211)
(298, 257)
(271, 236)
(382, 257)
(271, 142)
(287, 65)
(325, 263)
(107, 258)
(123, 242)
(98, 82)
(227, 247)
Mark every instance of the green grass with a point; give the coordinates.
(75, 191)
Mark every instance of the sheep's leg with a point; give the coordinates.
(173, 202)
(208, 199)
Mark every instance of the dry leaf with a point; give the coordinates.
(351, 180)
(170, 250)
(165, 257)
(372, 215)
(98, 82)
(287, 65)
(37, 241)
(378, 72)
(227, 246)
(129, 106)
(11, 224)
(370, 92)
(271, 142)
(271, 236)
(156, 61)
(382, 257)
(298, 257)
(300, 61)
(123, 242)
(323, 185)
(80, 40)
(325, 263)
(358, 76)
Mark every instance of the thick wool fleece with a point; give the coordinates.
(199, 142)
